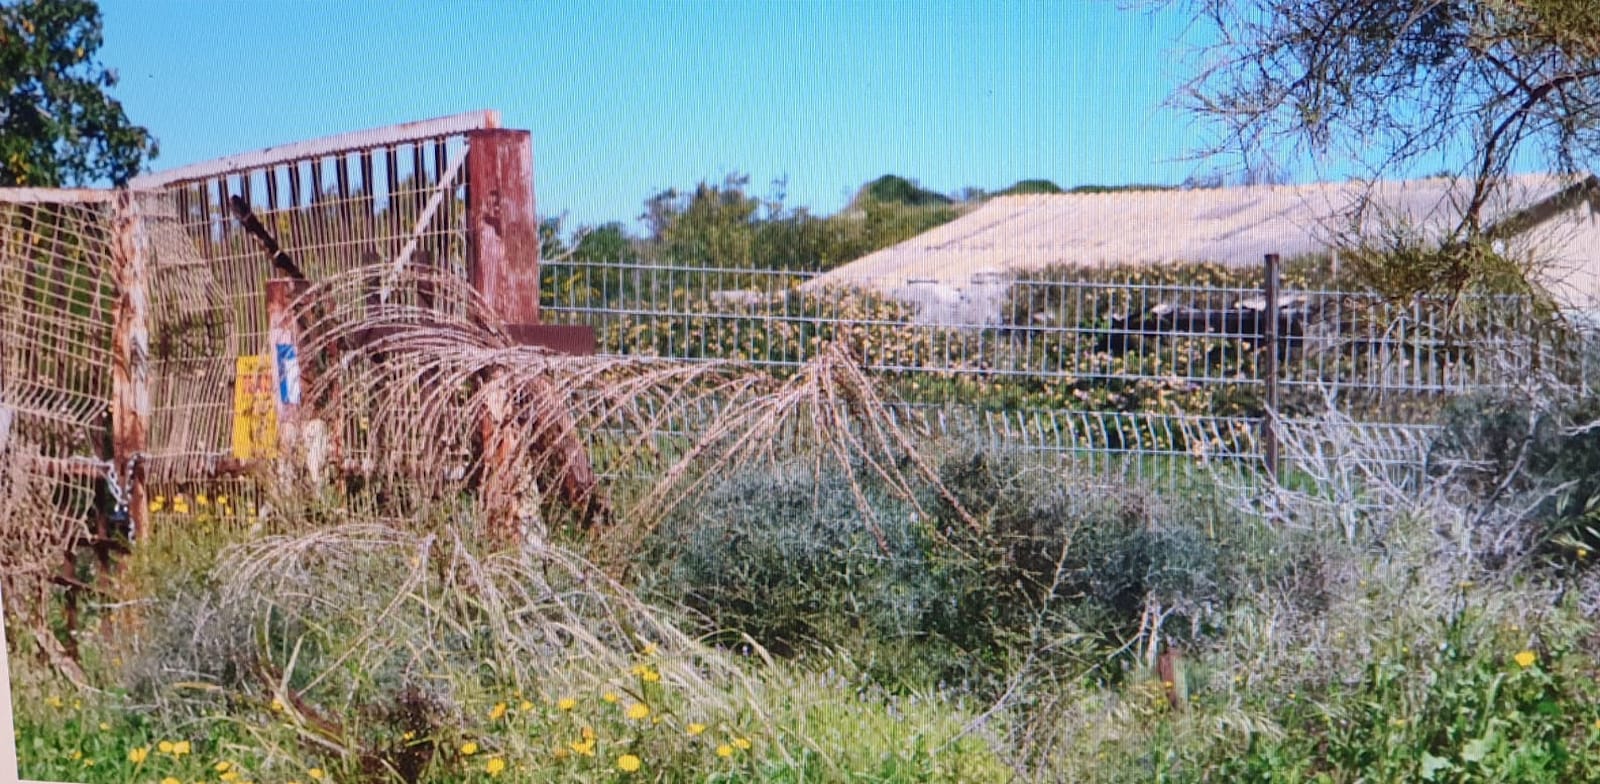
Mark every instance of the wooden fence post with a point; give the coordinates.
(130, 355)
(1269, 337)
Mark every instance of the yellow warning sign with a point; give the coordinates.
(255, 415)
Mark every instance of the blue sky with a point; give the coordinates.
(626, 99)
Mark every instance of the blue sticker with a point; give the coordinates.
(288, 375)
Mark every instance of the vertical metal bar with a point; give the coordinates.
(1269, 337)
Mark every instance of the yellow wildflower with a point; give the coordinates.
(583, 747)
(609, 696)
(138, 755)
(1525, 659)
(53, 701)
(724, 750)
(638, 711)
(221, 767)
(277, 705)
(696, 728)
(469, 748)
(650, 676)
(495, 766)
(105, 727)
(561, 754)
(498, 712)
(587, 732)
(649, 649)
(201, 500)
(525, 706)
(628, 763)
(742, 744)
(230, 776)
(170, 780)
(158, 503)
(180, 748)
(316, 773)
(165, 747)
(180, 505)
(566, 703)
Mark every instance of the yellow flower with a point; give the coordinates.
(525, 706)
(724, 750)
(277, 705)
(170, 780)
(138, 755)
(221, 767)
(180, 748)
(742, 744)
(583, 747)
(407, 735)
(498, 712)
(165, 747)
(1583, 552)
(201, 500)
(230, 776)
(1525, 659)
(105, 727)
(495, 766)
(696, 728)
(650, 676)
(316, 773)
(469, 748)
(158, 503)
(638, 711)
(628, 763)
(587, 732)
(609, 696)
(53, 701)
(649, 649)
(561, 754)
(180, 504)
(566, 703)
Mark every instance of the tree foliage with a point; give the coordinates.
(58, 125)
(1483, 84)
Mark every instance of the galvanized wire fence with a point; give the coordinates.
(1123, 372)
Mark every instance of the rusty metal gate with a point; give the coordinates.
(131, 321)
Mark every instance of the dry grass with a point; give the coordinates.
(435, 405)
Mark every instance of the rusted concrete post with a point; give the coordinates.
(503, 256)
(130, 355)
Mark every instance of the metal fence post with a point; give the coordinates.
(1269, 336)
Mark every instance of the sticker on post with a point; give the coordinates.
(288, 375)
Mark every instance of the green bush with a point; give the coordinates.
(1042, 564)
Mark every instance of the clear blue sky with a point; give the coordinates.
(625, 99)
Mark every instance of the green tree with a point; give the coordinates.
(58, 125)
(713, 227)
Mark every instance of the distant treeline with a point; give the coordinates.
(725, 225)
